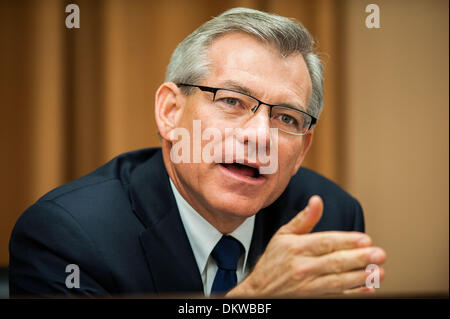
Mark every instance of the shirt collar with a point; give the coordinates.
(203, 236)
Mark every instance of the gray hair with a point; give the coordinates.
(189, 63)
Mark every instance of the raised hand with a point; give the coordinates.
(296, 263)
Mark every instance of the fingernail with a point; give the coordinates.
(376, 256)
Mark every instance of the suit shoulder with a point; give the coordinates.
(99, 198)
(311, 182)
(341, 210)
(44, 240)
(116, 171)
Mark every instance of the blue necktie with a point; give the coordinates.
(226, 254)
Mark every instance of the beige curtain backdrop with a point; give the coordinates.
(72, 99)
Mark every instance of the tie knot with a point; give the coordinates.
(227, 253)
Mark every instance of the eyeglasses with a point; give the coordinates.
(239, 105)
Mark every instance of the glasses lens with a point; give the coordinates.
(240, 105)
(233, 102)
(289, 120)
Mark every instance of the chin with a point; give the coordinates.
(239, 206)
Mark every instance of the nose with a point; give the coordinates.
(256, 129)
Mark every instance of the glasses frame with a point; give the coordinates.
(214, 91)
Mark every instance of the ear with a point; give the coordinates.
(168, 108)
(306, 144)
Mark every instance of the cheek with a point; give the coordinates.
(195, 111)
(288, 156)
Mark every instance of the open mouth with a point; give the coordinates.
(242, 169)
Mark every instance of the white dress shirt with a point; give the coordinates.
(203, 237)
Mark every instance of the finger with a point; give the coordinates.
(363, 291)
(347, 260)
(322, 243)
(338, 283)
(305, 220)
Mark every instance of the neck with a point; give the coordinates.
(222, 221)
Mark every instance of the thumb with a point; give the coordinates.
(305, 220)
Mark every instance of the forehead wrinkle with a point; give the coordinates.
(224, 56)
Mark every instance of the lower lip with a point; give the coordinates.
(242, 178)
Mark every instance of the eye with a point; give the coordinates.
(286, 119)
(231, 101)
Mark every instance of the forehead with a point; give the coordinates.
(240, 58)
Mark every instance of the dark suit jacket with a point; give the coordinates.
(121, 226)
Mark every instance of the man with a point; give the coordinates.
(199, 216)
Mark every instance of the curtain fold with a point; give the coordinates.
(72, 99)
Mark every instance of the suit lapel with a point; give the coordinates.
(257, 244)
(166, 246)
(262, 233)
(267, 222)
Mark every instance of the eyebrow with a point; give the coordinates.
(233, 85)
